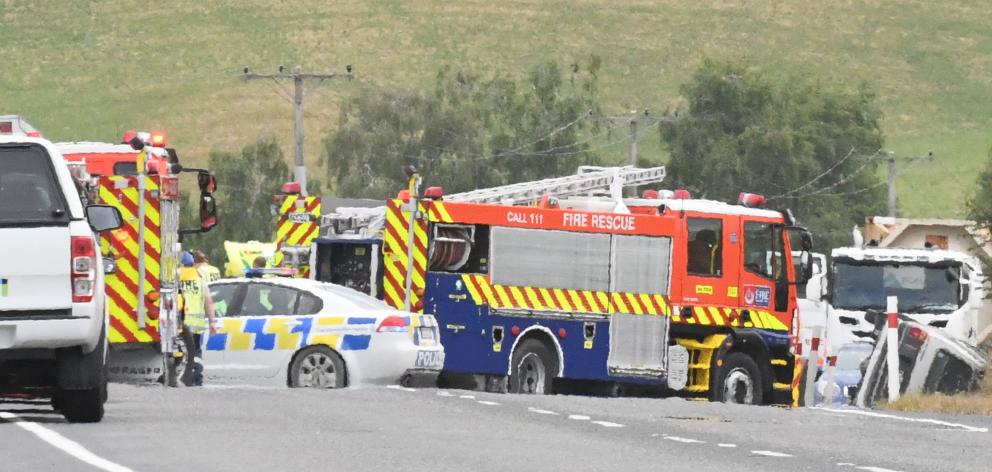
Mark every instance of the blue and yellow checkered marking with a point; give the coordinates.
(3, 288)
(352, 333)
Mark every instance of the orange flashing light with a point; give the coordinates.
(158, 139)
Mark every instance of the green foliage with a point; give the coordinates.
(980, 209)
(468, 132)
(799, 140)
(246, 182)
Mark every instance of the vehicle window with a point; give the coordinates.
(921, 287)
(758, 248)
(705, 254)
(351, 299)
(29, 189)
(850, 359)
(125, 168)
(223, 297)
(949, 375)
(308, 304)
(268, 300)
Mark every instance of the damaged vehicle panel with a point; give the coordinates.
(930, 361)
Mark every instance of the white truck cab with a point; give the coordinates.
(938, 288)
(52, 317)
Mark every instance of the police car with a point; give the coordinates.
(305, 333)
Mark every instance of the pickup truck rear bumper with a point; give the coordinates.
(51, 329)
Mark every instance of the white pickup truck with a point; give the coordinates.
(52, 318)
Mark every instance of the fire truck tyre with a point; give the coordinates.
(81, 406)
(317, 367)
(533, 366)
(739, 381)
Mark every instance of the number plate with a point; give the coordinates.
(429, 360)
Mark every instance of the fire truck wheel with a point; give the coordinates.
(317, 367)
(533, 366)
(739, 381)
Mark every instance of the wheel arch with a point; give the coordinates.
(292, 359)
(544, 335)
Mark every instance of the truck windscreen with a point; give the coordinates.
(921, 287)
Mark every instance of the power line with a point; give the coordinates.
(815, 179)
(298, 77)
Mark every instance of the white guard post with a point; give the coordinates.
(892, 340)
(812, 365)
(828, 392)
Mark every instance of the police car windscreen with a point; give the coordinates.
(29, 191)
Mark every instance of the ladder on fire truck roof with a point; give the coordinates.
(589, 179)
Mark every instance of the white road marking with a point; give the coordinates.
(66, 445)
(726, 445)
(470, 397)
(970, 429)
(877, 469)
(400, 387)
(486, 402)
(771, 454)
(540, 411)
(683, 440)
(442, 393)
(607, 424)
(578, 417)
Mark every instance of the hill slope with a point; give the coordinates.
(90, 70)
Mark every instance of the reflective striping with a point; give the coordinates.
(396, 257)
(121, 287)
(297, 233)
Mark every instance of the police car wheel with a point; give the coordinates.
(317, 367)
(533, 366)
(739, 381)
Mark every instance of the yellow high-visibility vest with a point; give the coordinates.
(209, 273)
(193, 292)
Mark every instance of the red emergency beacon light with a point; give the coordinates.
(751, 200)
(681, 194)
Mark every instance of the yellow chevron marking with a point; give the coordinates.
(476, 296)
(504, 300)
(632, 300)
(646, 302)
(576, 300)
(756, 319)
(562, 298)
(701, 315)
(717, 317)
(604, 300)
(518, 295)
(533, 299)
(549, 298)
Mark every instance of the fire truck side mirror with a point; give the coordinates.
(208, 212)
(206, 181)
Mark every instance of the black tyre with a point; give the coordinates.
(533, 367)
(738, 381)
(317, 367)
(81, 406)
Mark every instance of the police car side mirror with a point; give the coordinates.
(103, 217)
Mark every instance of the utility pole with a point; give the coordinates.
(298, 77)
(633, 119)
(893, 161)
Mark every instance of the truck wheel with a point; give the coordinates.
(532, 368)
(82, 406)
(317, 367)
(738, 381)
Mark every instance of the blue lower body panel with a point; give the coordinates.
(478, 341)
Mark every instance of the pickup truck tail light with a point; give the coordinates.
(83, 268)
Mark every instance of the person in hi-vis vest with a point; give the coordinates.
(210, 273)
(198, 316)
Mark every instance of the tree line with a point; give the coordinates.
(804, 141)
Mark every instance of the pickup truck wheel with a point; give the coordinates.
(739, 381)
(82, 406)
(533, 366)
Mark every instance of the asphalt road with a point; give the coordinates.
(250, 428)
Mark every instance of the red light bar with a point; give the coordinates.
(682, 194)
(434, 193)
(291, 188)
(650, 194)
(128, 136)
(751, 200)
(158, 138)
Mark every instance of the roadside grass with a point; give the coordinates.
(977, 403)
(91, 70)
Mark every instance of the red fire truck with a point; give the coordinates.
(539, 287)
(140, 177)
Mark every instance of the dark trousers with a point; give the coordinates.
(193, 376)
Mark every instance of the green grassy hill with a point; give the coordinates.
(90, 70)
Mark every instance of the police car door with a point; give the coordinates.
(262, 339)
(227, 300)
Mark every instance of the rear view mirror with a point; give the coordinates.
(103, 217)
(208, 212)
(206, 181)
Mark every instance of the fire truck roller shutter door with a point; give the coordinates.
(543, 258)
